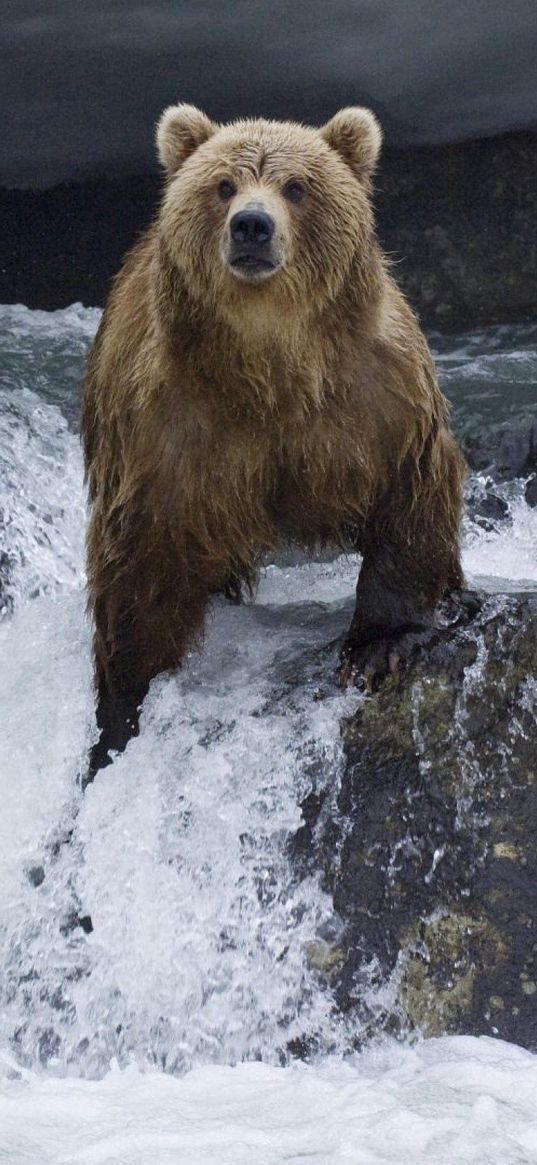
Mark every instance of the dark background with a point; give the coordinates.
(454, 85)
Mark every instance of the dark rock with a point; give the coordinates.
(530, 492)
(462, 237)
(428, 846)
(35, 875)
(505, 452)
(485, 506)
(517, 452)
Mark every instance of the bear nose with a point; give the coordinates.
(251, 226)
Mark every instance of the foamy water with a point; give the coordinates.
(202, 958)
(446, 1101)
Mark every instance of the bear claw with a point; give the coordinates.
(367, 665)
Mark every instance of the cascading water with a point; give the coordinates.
(159, 921)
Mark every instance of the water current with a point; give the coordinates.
(165, 1033)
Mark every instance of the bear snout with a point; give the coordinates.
(252, 254)
(254, 227)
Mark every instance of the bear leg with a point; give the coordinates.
(132, 645)
(118, 715)
(411, 561)
(390, 622)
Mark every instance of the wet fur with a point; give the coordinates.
(219, 424)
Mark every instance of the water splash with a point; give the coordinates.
(201, 930)
(206, 945)
(42, 508)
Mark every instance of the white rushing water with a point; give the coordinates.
(206, 945)
(444, 1102)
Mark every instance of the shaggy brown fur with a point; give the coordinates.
(224, 415)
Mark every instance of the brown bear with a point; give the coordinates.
(258, 378)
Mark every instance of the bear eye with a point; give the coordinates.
(226, 189)
(294, 191)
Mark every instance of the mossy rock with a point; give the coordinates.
(429, 845)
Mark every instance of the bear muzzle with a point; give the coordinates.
(251, 254)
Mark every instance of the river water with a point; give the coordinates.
(164, 1034)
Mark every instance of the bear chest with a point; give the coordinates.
(259, 484)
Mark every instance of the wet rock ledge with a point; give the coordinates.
(429, 846)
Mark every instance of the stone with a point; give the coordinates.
(506, 452)
(428, 845)
(530, 492)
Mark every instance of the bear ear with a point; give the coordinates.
(180, 130)
(356, 135)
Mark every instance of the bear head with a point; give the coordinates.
(260, 212)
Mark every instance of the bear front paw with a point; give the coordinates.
(365, 664)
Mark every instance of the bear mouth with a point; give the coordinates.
(252, 267)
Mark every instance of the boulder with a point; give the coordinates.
(428, 844)
(506, 451)
(530, 492)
